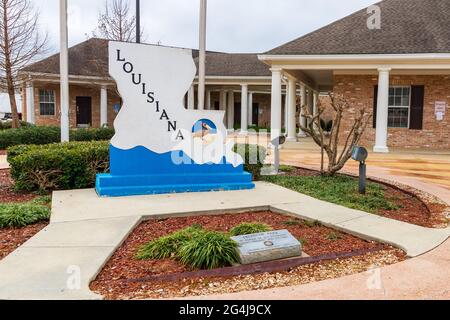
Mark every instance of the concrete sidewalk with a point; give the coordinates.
(85, 231)
(3, 163)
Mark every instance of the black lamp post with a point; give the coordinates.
(360, 154)
(138, 21)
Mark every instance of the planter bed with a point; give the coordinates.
(12, 238)
(7, 194)
(332, 254)
(413, 206)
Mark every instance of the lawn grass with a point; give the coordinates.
(341, 190)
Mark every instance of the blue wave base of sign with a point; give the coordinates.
(139, 171)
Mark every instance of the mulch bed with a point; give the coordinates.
(12, 238)
(422, 212)
(7, 194)
(114, 281)
(3, 153)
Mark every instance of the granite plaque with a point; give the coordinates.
(267, 246)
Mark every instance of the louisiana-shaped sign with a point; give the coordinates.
(159, 145)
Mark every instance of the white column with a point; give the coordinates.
(191, 98)
(315, 105)
(64, 71)
(250, 109)
(302, 103)
(230, 111)
(208, 100)
(275, 122)
(223, 100)
(292, 125)
(244, 109)
(382, 111)
(30, 103)
(202, 56)
(103, 106)
(286, 107)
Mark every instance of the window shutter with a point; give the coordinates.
(375, 102)
(416, 109)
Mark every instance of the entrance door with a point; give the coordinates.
(84, 111)
(255, 115)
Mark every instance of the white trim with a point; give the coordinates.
(358, 57)
(374, 66)
(52, 75)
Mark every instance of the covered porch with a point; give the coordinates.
(401, 91)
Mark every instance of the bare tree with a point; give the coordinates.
(20, 43)
(116, 22)
(338, 154)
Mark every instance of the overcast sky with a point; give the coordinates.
(233, 25)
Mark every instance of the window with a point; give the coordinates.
(399, 107)
(47, 102)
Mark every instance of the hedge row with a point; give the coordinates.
(59, 166)
(45, 135)
(74, 165)
(5, 125)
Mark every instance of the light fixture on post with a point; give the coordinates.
(360, 154)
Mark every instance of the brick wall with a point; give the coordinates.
(359, 89)
(75, 91)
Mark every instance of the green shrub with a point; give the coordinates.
(168, 246)
(209, 250)
(291, 223)
(94, 134)
(21, 215)
(5, 125)
(59, 166)
(249, 228)
(29, 135)
(312, 223)
(193, 246)
(254, 157)
(333, 236)
(41, 135)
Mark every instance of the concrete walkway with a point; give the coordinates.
(3, 163)
(85, 230)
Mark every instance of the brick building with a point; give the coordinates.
(399, 69)
(94, 100)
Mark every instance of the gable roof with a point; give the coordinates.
(90, 58)
(407, 26)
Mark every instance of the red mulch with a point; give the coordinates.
(411, 209)
(7, 194)
(3, 153)
(123, 265)
(11, 238)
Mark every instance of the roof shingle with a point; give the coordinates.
(90, 58)
(407, 26)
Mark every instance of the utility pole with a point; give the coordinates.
(138, 21)
(64, 70)
(202, 56)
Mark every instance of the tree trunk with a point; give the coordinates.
(12, 100)
(8, 71)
